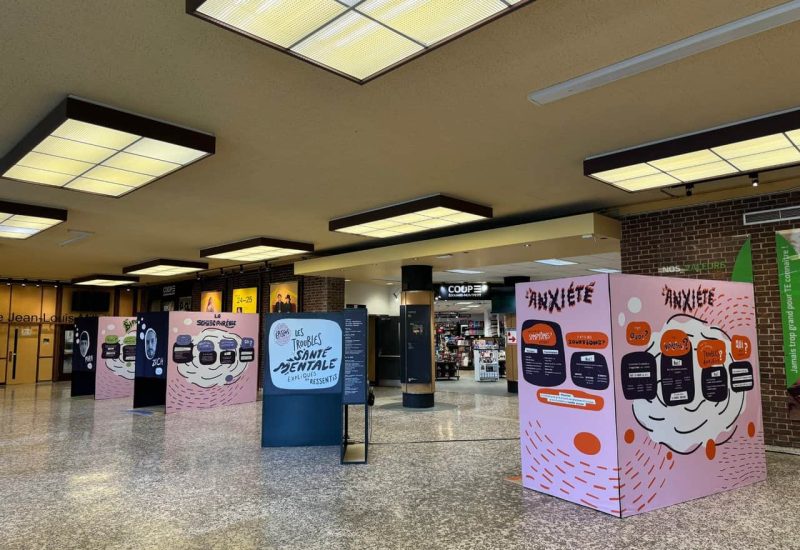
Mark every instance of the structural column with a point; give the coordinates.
(512, 369)
(417, 337)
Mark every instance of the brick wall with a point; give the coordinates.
(323, 294)
(715, 233)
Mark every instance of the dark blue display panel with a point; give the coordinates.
(304, 378)
(417, 343)
(84, 359)
(354, 388)
(150, 382)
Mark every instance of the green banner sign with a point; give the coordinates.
(788, 248)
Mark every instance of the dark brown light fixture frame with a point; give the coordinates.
(76, 108)
(257, 241)
(127, 278)
(193, 5)
(753, 128)
(20, 209)
(410, 207)
(168, 263)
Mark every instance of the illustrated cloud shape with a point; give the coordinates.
(216, 373)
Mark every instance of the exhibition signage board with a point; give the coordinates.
(84, 357)
(189, 360)
(314, 363)
(788, 250)
(416, 339)
(116, 357)
(638, 392)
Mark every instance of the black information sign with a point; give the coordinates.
(354, 391)
(741, 376)
(589, 369)
(677, 379)
(415, 338)
(543, 358)
(639, 376)
(84, 356)
(714, 382)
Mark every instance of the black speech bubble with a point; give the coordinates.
(639, 376)
(589, 369)
(677, 379)
(544, 365)
(743, 381)
(110, 351)
(714, 382)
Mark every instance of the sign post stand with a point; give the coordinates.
(355, 387)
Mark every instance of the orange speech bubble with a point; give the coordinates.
(540, 335)
(573, 399)
(587, 340)
(638, 333)
(675, 343)
(741, 347)
(710, 353)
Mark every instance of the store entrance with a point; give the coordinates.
(23, 353)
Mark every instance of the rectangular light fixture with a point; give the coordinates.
(464, 271)
(256, 250)
(555, 262)
(357, 39)
(105, 280)
(165, 268)
(604, 270)
(432, 212)
(750, 146)
(771, 18)
(21, 221)
(89, 147)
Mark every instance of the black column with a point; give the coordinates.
(416, 337)
(512, 365)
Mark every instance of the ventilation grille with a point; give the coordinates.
(772, 216)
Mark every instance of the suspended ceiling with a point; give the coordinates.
(297, 146)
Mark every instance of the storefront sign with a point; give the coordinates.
(703, 267)
(168, 290)
(463, 291)
(788, 249)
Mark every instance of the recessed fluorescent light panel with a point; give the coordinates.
(21, 221)
(555, 262)
(464, 271)
(433, 212)
(85, 146)
(105, 280)
(255, 250)
(357, 39)
(165, 268)
(754, 145)
(605, 270)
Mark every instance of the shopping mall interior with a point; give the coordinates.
(399, 274)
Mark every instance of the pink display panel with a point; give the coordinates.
(688, 394)
(116, 350)
(212, 360)
(681, 418)
(566, 396)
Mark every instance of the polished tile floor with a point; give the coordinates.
(75, 473)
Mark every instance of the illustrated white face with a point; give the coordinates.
(150, 343)
(83, 344)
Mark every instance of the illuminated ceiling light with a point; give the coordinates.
(604, 270)
(464, 271)
(413, 216)
(22, 221)
(256, 250)
(753, 145)
(105, 280)
(94, 148)
(555, 262)
(357, 39)
(165, 268)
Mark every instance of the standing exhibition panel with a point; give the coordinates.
(315, 364)
(116, 349)
(196, 360)
(84, 359)
(638, 392)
